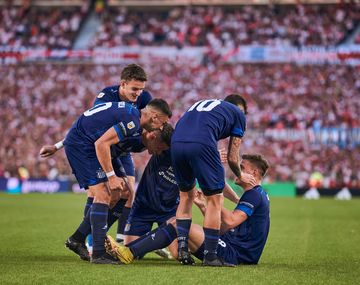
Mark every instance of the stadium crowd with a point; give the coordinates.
(40, 102)
(39, 27)
(298, 25)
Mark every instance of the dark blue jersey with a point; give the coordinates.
(249, 238)
(209, 121)
(93, 123)
(111, 94)
(157, 193)
(129, 144)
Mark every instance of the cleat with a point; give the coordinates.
(79, 248)
(185, 258)
(121, 252)
(164, 253)
(219, 262)
(105, 259)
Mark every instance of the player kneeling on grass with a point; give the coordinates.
(244, 230)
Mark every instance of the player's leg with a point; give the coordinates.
(210, 174)
(181, 154)
(98, 218)
(128, 170)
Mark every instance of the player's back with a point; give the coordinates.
(111, 94)
(249, 237)
(209, 121)
(93, 123)
(157, 191)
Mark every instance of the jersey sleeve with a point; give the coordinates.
(129, 124)
(239, 127)
(249, 201)
(144, 98)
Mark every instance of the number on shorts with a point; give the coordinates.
(222, 243)
(200, 106)
(97, 108)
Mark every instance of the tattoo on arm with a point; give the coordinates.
(234, 155)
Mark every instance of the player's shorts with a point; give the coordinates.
(84, 164)
(226, 252)
(139, 223)
(198, 161)
(123, 165)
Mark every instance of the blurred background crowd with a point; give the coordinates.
(40, 101)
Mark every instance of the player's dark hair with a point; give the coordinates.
(258, 161)
(237, 99)
(160, 105)
(166, 133)
(133, 71)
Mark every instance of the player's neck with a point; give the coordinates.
(249, 187)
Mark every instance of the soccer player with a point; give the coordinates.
(155, 142)
(195, 156)
(131, 90)
(244, 230)
(87, 147)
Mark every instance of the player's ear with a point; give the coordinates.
(122, 83)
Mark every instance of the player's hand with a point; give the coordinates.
(47, 150)
(246, 178)
(223, 155)
(116, 183)
(199, 199)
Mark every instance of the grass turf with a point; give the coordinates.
(310, 242)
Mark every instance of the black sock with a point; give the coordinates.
(183, 228)
(211, 243)
(84, 229)
(115, 212)
(160, 238)
(123, 220)
(98, 218)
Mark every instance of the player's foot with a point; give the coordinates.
(164, 253)
(79, 248)
(105, 259)
(185, 258)
(122, 252)
(217, 262)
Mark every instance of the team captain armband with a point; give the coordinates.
(246, 207)
(59, 145)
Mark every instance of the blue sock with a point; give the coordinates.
(183, 228)
(160, 238)
(88, 204)
(211, 243)
(98, 219)
(115, 212)
(123, 219)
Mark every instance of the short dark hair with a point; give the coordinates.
(160, 105)
(166, 133)
(133, 71)
(258, 161)
(237, 99)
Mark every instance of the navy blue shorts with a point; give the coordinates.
(123, 165)
(139, 224)
(224, 250)
(85, 165)
(198, 161)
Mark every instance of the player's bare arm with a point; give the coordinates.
(102, 146)
(231, 219)
(234, 161)
(230, 194)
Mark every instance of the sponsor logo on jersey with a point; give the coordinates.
(100, 173)
(101, 94)
(121, 105)
(130, 125)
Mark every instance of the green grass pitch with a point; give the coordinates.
(310, 242)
